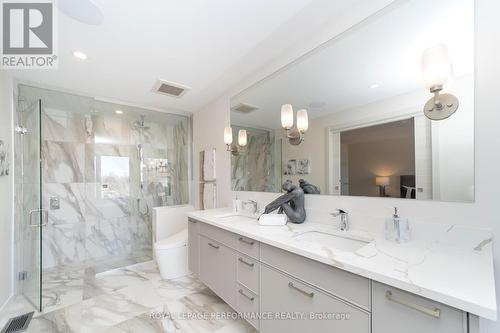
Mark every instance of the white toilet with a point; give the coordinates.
(170, 239)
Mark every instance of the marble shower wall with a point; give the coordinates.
(92, 163)
(247, 173)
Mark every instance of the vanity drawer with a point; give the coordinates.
(248, 246)
(220, 235)
(218, 269)
(247, 272)
(247, 302)
(193, 248)
(283, 294)
(395, 311)
(348, 286)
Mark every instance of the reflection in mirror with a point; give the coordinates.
(369, 113)
(381, 155)
(256, 166)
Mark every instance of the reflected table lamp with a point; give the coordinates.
(382, 182)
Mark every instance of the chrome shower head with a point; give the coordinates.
(140, 125)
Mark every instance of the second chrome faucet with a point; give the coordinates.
(254, 205)
(344, 219)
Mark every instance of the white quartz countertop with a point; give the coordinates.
(459, 275)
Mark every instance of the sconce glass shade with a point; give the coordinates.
(382, 181)
(436, 66)
(302, 121)
(242, 138)
(287, 116)
(228, 135)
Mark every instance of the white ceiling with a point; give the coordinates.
(385, 50)
(198, 43)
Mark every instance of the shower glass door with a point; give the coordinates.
(33, 216)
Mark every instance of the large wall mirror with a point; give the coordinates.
(385, 109)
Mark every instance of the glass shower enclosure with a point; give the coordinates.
(29, 204)
(88, 175)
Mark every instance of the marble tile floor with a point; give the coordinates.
(134, 299)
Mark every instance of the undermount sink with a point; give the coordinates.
(338, 242)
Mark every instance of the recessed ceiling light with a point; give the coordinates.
(374, 86)
(118, 111)
(80, 55)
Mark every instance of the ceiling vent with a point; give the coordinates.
(244, 108)
(169, 88)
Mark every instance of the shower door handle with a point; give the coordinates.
(44, 215)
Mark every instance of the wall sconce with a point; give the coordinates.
(242, 141)
(436, 70)
(382, 182)
(295, 136)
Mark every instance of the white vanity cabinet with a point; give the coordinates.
(395, 311)
(229, 265)
(254, 277)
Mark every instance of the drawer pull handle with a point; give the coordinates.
(214, 246)
(241, 239)
(431, 312)
(249, 297)
(246, 262)
(309, 294)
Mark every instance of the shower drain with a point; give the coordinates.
(18, 324)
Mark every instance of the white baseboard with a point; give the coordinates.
(6, 302)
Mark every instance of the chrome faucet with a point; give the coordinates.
(253, 203)
(344, 219)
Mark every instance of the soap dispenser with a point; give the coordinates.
(397, 228)
(237, 205)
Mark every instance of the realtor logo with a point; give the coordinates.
(28, 35)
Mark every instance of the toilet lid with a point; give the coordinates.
(177, 240)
